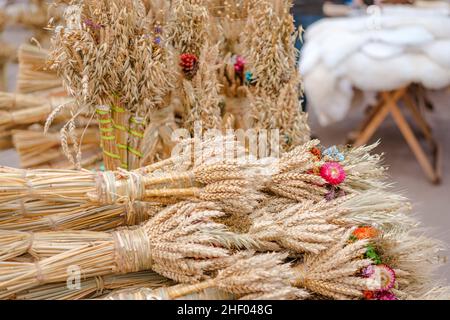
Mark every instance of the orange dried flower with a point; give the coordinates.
(316, 152)
(368, 295)
(365, 233)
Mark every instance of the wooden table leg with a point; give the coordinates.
(418, 117)
(377, 119)
(413, 143)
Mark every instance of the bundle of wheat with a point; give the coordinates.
(116, 45)
(371, 264)
(182, 243)
(216, 178)
(308, 227)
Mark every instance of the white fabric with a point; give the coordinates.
(373, 53)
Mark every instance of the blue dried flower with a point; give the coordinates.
(334, 153)
(248, 77)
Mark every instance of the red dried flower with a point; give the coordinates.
(189, 64)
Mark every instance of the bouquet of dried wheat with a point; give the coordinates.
(226, 29)
(188, 29)
(312, 172)
(94, 287)
(202, 101)
(359, 267)
(182, 243)
(356, 266)
(115, 44)
(188, 26)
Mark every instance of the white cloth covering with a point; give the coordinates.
(373, 53)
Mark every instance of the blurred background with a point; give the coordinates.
(362, 61)
(430, 199)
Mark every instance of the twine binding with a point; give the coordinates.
(133, 250)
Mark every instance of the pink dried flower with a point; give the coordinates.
(384, 277)
(239, 65)
(333, 173)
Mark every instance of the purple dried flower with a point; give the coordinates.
(385, 295)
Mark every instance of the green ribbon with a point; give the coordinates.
(112, 155)
(136, 152)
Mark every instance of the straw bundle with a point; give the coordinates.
(34, 76)
(10, 101)
(182, 243)
(94, 287)
(218, 179)
(51, 216)
(28, 114)
(39, 150)
(259, 277)
(19, 110)
(35, 208)
(118, 34)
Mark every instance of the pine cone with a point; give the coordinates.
(189, 64)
